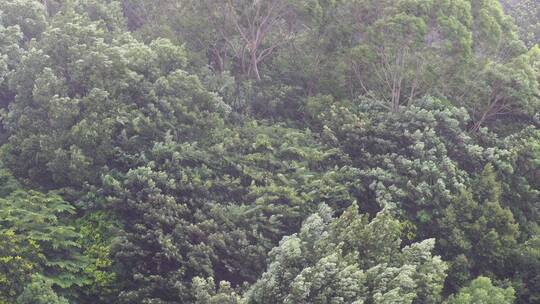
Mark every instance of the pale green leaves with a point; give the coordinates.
(481, 291)
(341, 261)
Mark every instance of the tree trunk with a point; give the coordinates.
(254, 66)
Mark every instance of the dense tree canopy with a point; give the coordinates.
(277, 151)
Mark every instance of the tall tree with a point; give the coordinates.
(252, 30)
(477, 232)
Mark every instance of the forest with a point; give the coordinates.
(269, 151)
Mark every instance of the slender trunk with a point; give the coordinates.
(243, 65)
(254, 65)
(478, 124)
(46, 5)
(487, 113)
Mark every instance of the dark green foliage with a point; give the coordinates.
(527, 263)
(20, 22)
(521, 186)
(111, 99)
(40, 291)
(413, 160)
(477, 230)
(276, 151)
(211, 207)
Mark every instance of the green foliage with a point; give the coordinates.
(40, 291)
(27, 15)
(482, 291)
(196, 151)
(525, 14)
(506, 88)
(20, 22)
(111, 99)
(527, 280)
(207, 293)
(477, 227)
(393, 51)
(8, 183)
(97, 231)
(210, 207)
(349, 260)
(32, 224)
(400, 154)
(17, 260)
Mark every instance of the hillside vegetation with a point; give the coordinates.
(269, 151)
